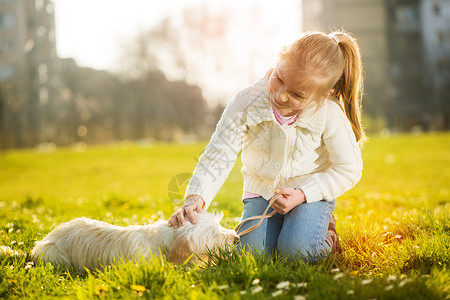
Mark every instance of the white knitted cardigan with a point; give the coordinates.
(317, 153)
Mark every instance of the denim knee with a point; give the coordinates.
(305, 248)
(264, 238)
(304, 231)
(254, 241)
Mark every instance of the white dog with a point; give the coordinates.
(89, 243)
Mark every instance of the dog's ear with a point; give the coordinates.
(180, 251)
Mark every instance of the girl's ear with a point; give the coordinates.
(330, 92)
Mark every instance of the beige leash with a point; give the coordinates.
(261, 218)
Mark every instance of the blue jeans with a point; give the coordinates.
(298, 234)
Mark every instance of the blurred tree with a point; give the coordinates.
(13, 123)
(184, 47)
(100, 107)
(152, 97)
(2, 119)
(176, 48)
(161, 107)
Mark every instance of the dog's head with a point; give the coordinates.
(206, 235)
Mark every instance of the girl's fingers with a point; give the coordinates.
(201, 206)
(177, 219)
(181, 220)
(186, 211)
(190, 216)
(286, 191)
(173, 221)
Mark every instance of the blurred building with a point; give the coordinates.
(28, 78)
(406, 54)
(436, 40)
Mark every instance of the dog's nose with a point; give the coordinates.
(236, 239)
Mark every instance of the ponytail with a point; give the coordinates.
(349, 88)
(331, 62)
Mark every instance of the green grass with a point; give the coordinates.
(394, 226)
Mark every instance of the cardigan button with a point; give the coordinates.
(277, 165)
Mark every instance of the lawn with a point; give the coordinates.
(394, 225)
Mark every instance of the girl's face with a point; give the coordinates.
(285, 94)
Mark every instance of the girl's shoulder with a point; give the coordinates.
(335, 111)
(335, 115)
(258, 90)
(253, 99)
(333, 106)
(240, 101)
(244, 94)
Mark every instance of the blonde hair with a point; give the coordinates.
(331, 62)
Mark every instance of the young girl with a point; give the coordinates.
(298, 128)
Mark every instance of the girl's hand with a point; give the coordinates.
(192, 203)
(289, 199)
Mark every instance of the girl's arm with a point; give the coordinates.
(217, 160)
(344, 155)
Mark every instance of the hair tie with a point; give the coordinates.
(334, 37)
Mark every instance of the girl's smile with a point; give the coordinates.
(284, 95)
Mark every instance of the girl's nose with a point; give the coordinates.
(282, 97)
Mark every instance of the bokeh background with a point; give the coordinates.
(85, 72)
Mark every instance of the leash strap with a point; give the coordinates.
(261, 218)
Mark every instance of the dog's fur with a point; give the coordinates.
(86, 243)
